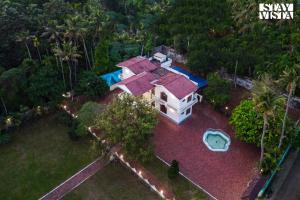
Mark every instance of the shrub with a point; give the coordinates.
(86, 116)
(65, 118)
(72, 132)
(218, 90)
(102, 57)
(5, 138)
(173, 170)
(91, 85)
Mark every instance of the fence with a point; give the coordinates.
(248, 85)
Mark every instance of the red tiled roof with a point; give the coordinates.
(139, 84)
(138, 65)
(177, 84)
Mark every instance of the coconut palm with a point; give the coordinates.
(53, 34)
(266, 101)
(69, 54)
(75, 31)
(3, 102)
(24, 37)
(290, 79)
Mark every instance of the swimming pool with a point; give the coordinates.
(200, 81)
(112, 77)
(216, 140)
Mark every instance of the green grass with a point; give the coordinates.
(181, 187)
(39, 158)
(114, 182)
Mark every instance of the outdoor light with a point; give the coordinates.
(226, 107)
(9, 121)
(162, 192)
(90, 129)
(65, 107)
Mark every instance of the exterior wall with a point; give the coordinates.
(148, 96)
(126, 73)
(176, 109)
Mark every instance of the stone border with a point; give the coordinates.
(219, 132)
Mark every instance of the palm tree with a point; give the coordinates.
(3, 102)
(69, 54)
(266, 101)
(53, 35)
(36, 44)
(290, 79)
(24, 37)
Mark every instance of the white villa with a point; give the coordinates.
(169, 91)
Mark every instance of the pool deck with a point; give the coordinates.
(224, 175)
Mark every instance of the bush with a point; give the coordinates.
(102, 57)
(65, 118)
(173, 171)
(72, 132)
(91, 85)
(218, 90)
(5, 138)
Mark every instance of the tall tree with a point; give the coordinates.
(24, 37)
(266, 101)
(290, 79)
(69, 54)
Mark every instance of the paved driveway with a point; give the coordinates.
(224, 175)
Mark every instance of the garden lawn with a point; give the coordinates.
(180, 186)
(114, 182)
(40, 157)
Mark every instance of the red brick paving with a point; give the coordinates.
(224, 175)
(74, 181)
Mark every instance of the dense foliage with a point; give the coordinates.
(86, 117)
(248, 124)
(218, 90)
(91, 85)
(129, 121)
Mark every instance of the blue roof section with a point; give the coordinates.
(200, 81)
(112, 77)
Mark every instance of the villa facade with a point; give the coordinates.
(169, 91)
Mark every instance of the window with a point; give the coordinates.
(163, 96)
(188, 111)
(163, 109)
(189, 98)
(183, 100)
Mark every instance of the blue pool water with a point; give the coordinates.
(201, 82)
(216, 140)
(112, 77)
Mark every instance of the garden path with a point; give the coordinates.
(75, 180)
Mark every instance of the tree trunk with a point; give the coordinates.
(284, 119)
(4, 106)
(235, 71)
(28, 51)
(92, 58)
(86, 53)
(70, 75)
(40, 58)
(63, 73)
(61, 66)
(142, 50)
(262, 148)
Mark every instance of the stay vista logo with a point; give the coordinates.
(276, 11)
